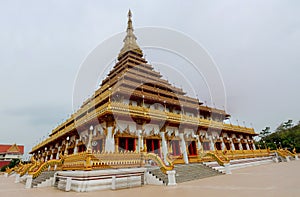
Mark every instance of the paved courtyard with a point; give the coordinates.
(266, 180)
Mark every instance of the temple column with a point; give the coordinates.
(240, 145)
(223, 147)
(140, 144)
(183, 148)
(212, 144)
(51, 156)
(232, 144)
(76, 148)
(66, 149)
(164, 146)
(57, 155)
(109, 140)
(247, 146)
(198, 143)
(89, 145)
(253, 145)
(46, 156)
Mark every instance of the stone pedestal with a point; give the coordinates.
(68, 184)
(28, 182)
(113, 183)
(276, 160)
(287, 159)
(296, 157)
(227, 168)
(17, 180)
(171, 178)
(5, 174)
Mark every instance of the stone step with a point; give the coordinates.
(187, 172)
(42, 177)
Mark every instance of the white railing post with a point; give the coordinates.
(171, 178)
(68, 184)
(113, 183)
(28, 182)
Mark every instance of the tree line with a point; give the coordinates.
(286, 135)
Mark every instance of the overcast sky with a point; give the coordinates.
(43, 43)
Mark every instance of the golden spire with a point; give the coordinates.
(130, 39)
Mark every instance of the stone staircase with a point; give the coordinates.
(241, 163)
(43, 177)
(186, 173)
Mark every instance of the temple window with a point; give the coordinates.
(153, 146)
(126, 143)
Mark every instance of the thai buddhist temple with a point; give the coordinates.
(8, 152)
(135, 108)
(136, 121)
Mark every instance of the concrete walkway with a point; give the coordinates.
(281, 179)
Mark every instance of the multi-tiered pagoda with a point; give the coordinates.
(139, 129)
(135, 109)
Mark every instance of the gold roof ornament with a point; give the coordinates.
(130, 40)
(14, 149)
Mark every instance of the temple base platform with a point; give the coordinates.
(84, 181)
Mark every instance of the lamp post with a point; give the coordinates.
(89, 146)
(109, 91)
(67, 144)
(265, 144)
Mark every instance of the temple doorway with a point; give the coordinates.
(153, 146)
(81, 148)
(227, 145)
(175, 147)
(218, 145)
(236, 146)
(126, 143)
(244, 146)
(251, 146)
(192, 148)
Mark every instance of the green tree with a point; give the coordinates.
(286, 135)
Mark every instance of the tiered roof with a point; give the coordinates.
(134, 78)
(11, 148)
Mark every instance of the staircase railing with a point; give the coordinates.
(29, 167)
(221, 161)
(44, 166)
(14, 169)
(163, 167)
(289, 153)
(285, 153)
(25, 169)
(281, 153)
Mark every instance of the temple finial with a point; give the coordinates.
(130, 39)
(129, 14)
(129, 23)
